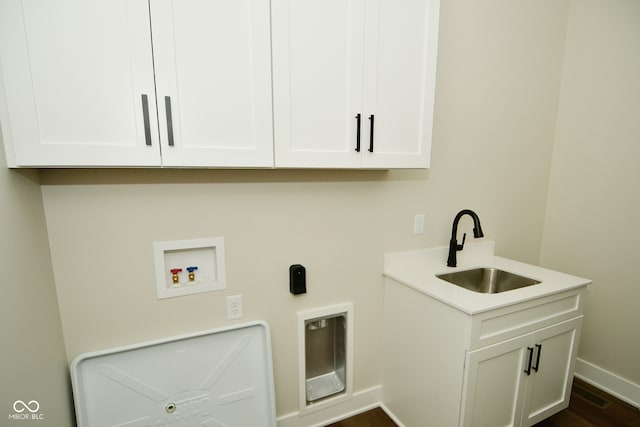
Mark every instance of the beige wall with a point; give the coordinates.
(500, 73)
(498, 81)
(33, 364)
(594, 197)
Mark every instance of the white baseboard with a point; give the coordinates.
(608, 382)
(361, 401)
(391, 415)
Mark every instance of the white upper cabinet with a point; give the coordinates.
(399, 80)
(318, 49)
(213, 81)
(79, 87)
(354, 82)
(188, 83)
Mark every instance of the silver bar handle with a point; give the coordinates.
(169, 116)
(145, 117)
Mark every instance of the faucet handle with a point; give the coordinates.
(461, 246)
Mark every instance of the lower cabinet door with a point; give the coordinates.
(549, 386)
(494, 382)
(521, 381)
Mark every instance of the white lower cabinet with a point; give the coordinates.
(511, 366)
(521, 381)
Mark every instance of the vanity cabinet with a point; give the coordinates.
(510, 366)
(520, 381)
(136, 83)
(354, 82)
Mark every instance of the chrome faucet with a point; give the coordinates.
(453, 243)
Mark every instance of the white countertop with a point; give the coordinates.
(418, 269)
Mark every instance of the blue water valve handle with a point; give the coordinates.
(192, 275)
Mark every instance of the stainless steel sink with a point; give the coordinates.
(487, 280)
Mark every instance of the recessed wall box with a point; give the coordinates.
(171, 256)
(325, 349)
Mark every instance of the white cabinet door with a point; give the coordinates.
(494, 384)
(354, 82)
(213, 79)
(77, 83)
(399, 81)
(520, 382)
(549, 386)
(317, 85)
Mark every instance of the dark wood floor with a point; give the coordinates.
(588, 407)
(373, 418)
(591, 407)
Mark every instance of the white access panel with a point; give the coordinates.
(215, 378)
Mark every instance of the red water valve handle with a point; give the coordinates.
(174, 274)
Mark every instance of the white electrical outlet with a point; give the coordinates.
(418, 224)
(234, 307)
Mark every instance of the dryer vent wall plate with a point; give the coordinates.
(325, 357)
